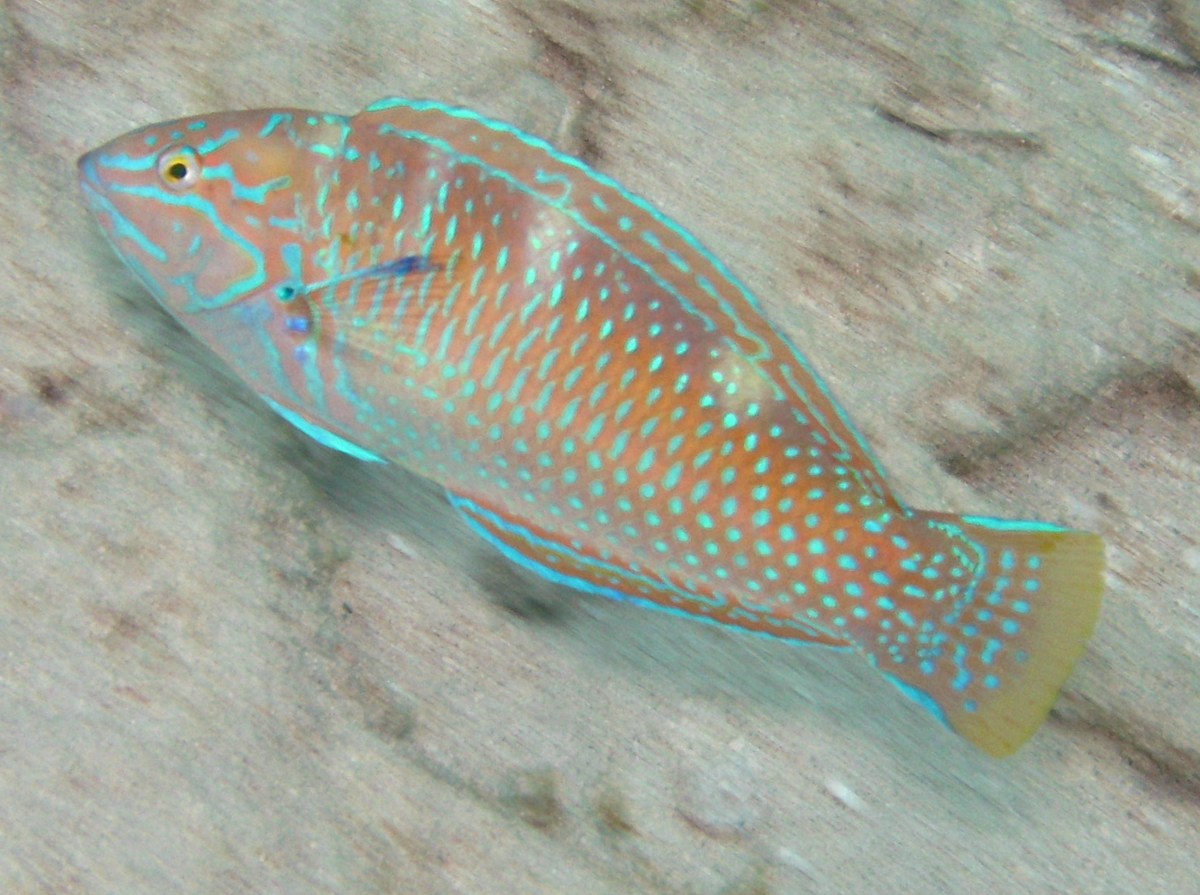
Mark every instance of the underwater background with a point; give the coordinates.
(232, 660)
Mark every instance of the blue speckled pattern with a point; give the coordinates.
(601, 397)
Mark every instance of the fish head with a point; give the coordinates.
(198, 208)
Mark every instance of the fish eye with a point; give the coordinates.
(179, 167)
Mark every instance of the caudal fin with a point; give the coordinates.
(1009, 642)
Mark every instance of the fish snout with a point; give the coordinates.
(89, 176)
(87, 165)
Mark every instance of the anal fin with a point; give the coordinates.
(562, 563)
(552, 557)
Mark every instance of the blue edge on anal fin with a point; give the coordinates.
(481, 521)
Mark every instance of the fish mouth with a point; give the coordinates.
(89, 178)
(98, 198)
(119, 230)
(87, 168)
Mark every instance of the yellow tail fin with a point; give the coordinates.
(1007, 648)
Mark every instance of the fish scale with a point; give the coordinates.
(602, 399)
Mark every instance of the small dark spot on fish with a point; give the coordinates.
(401, 267)
(404, 266)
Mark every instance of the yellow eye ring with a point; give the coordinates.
(179, 167)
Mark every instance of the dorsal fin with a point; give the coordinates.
(649, 240)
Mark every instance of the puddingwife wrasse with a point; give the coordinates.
(601, 398)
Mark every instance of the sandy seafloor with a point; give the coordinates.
(233, 661)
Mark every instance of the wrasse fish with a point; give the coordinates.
(602, 399)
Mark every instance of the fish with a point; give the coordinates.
(602, 399)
